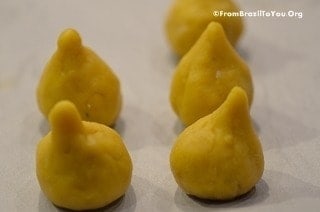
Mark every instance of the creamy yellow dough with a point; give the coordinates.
(219, 157)
(187, 19)
(206, 74)
(81, 165)
(76, 73)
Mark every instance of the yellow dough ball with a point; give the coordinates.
(206, 74)
(76, 73)
(187, 19)
(81, 165)
(219, 157)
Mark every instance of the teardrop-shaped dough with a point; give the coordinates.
(206, 74)
(81, 165)
(77, 74)
(187, 19)
(219, 157)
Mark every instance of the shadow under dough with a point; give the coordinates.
(127, 202)
(256, 195)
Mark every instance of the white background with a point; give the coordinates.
(284, 58)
